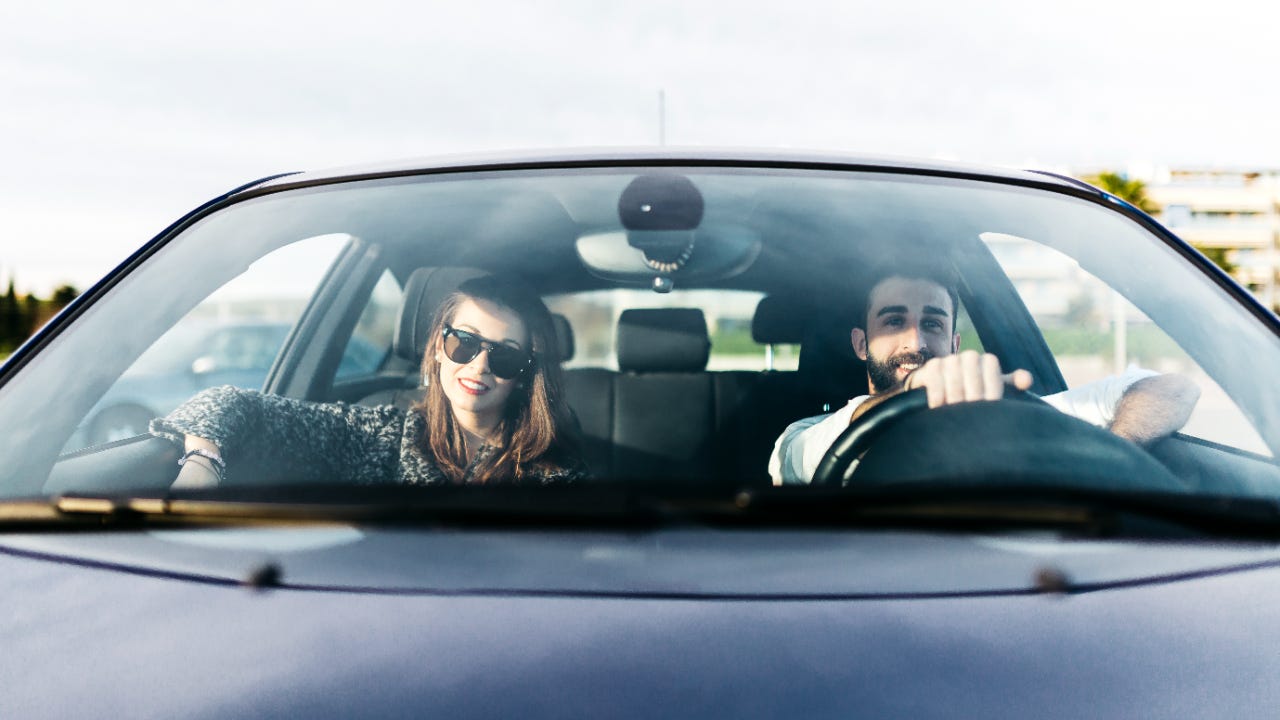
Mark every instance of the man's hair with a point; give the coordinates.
(937, 273)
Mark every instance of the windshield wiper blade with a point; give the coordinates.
(646, 506)
(1085, 510)
(72, 512)
(602, 504)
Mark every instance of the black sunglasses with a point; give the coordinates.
(505, 361)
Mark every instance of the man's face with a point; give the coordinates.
(909, 321)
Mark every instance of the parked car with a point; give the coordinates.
(194, 356)
(991, 559)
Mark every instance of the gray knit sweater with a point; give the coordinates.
(278, 437)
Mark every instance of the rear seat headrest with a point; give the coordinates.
(779, 321)
(564, 337)
(663, 340)
(828, 365)
(423, 293)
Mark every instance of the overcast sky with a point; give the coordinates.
(120, 117)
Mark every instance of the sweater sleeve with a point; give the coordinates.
(269, 438)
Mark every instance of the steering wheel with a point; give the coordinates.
(1019, 439)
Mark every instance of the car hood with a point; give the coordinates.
(694, 562)
(1184, 630)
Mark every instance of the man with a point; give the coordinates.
(908, 341)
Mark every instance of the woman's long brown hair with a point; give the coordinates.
(537, 430)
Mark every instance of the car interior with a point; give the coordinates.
(662, 413)
(656, 411)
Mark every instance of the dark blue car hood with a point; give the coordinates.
(683, 622)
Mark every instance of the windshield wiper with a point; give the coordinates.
(605, 504)
(1075, 511)
(1085, 511)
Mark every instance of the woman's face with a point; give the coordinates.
(472, 387)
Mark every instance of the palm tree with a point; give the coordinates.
(1134, 192)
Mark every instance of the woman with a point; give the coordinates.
(493, 412)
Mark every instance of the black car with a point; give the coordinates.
(996, 558)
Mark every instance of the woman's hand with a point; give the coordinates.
(198, 471)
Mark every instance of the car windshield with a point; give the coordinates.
(696, 314)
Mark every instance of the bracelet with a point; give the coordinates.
(215, 460)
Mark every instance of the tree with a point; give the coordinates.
(1219, 257)
(1132, 191)
(63, 295)
(20, 315)
(32, 311)
(11, 319)
(40, 311)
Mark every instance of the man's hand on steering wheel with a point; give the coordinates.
(964, 377)
(968, 376)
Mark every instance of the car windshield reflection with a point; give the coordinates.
(716, 330)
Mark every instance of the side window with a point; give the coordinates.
(231, 338)
(371, 341)
(242, 347)
(1095, 333)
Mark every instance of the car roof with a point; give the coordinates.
(642, 156)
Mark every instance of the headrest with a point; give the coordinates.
(828, 365)
(423, 293)
(564, 336)
(663, 340)
(779, 321)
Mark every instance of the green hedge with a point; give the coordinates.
(1142, 341)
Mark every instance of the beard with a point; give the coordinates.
(884, 373)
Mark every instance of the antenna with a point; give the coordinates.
(662, 117)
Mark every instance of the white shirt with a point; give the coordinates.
(802, 445)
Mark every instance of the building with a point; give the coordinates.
(1232, 210)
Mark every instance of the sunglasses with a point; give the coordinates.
(505, 361)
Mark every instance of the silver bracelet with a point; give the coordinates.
(215, 460)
